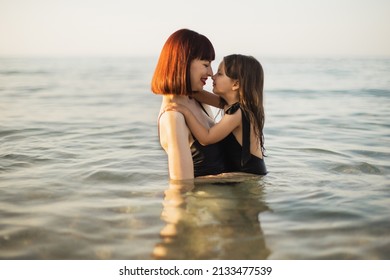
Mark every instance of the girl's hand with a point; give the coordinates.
(176, 107)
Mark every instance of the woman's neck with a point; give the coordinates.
(179, 99)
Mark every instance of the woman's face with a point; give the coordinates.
(222, 84)
(200, 70)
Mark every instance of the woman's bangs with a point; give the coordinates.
(204, 49)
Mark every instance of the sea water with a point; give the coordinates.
(83, 176)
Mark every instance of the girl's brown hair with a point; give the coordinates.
(250, 75)
(172, 73)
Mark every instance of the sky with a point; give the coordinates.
(140, 28)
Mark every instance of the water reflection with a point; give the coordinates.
(208, 219)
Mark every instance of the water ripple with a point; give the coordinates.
(361, 168)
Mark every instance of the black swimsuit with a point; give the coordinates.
(238, 158)
(208, 160)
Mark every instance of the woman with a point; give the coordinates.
(182, 70)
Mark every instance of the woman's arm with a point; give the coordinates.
(204, 135)
(208, 98)
(174, 135)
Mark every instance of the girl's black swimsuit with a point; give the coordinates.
(238, 158)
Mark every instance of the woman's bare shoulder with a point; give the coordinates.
(172, 126)
(169, 118)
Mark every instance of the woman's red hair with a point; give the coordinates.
(172, 73)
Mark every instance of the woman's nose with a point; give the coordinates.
(210, 71)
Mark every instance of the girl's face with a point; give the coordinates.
(222, 84)
(200, 71)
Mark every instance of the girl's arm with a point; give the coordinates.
(208, 98)
(204, 135)
(174, 139)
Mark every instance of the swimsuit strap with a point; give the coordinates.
(233, 108)
(158, 124)
(246, 130)
(201, 105)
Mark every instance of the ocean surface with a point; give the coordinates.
(83, 176)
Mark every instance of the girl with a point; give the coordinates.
(238, 89)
